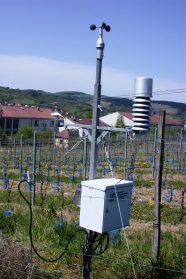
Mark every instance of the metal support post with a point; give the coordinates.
(31, 198)
(39, 152)
(95, 133)
(14, 153)
(56, 115)
(95, 120)
(34, 168)
(84, 158)
(54, 148)
(180, 150)
(21, 157)
(154, 154)
(125, 156)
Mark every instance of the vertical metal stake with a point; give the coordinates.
(21, 157)
(180, 150)
(14, 153)
(154, 154)
(54, 146)
(34, 169)
(125, 156)
(84, 158)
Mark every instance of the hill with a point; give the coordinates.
(79, 104)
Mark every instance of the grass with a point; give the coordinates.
(114, 263)
(144, 211)
(50, 237)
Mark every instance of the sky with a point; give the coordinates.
(48, 45)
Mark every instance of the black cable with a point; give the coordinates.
(100, 243)
(89, 245)
(31, 236)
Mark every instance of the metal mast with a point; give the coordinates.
(88, 247)
(96, 100)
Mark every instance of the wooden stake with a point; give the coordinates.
(157, 194)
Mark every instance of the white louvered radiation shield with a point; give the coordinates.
(142, 104)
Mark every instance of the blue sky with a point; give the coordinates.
(47, 45)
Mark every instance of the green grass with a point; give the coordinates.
(177, 184)
(144, 211)
(115, 262)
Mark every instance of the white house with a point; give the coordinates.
(68, 123)
(111, 119)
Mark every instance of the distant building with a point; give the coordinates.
(62, 138)
(111, 119)
(69, 131)
(12, 118)
(169, 121)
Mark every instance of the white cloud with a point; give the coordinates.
(43, 73)
(28, 72)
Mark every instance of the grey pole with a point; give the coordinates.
(88, 248)
(180, 150)
(154, 154)
(14, 153)
(21, 157)
(31, 202)
(55, 116)
(125, 156)
(39, 152)
(84, 157)
(96, 101)
(54, 146)
(34, 168)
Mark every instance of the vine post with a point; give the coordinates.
(157, 194)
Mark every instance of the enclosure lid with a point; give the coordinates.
(103, 183)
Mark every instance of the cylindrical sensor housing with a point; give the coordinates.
(141, 104)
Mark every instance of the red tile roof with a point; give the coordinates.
(127, 115)
(89, 122)
(155, 119)
(63, 134)
(26, 112)
(168, 120)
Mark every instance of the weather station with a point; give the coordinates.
(104, 203)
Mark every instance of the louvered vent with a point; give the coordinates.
(121, 195)
(141, 104)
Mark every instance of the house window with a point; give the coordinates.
(8, 126)
(2, 123)
(36, 123)
(44, 124)
(51, 123)
(15, 125)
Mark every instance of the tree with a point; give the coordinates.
(120, 122)
(27, 132)
(45, 134)
(3, 137)
(89, 115)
